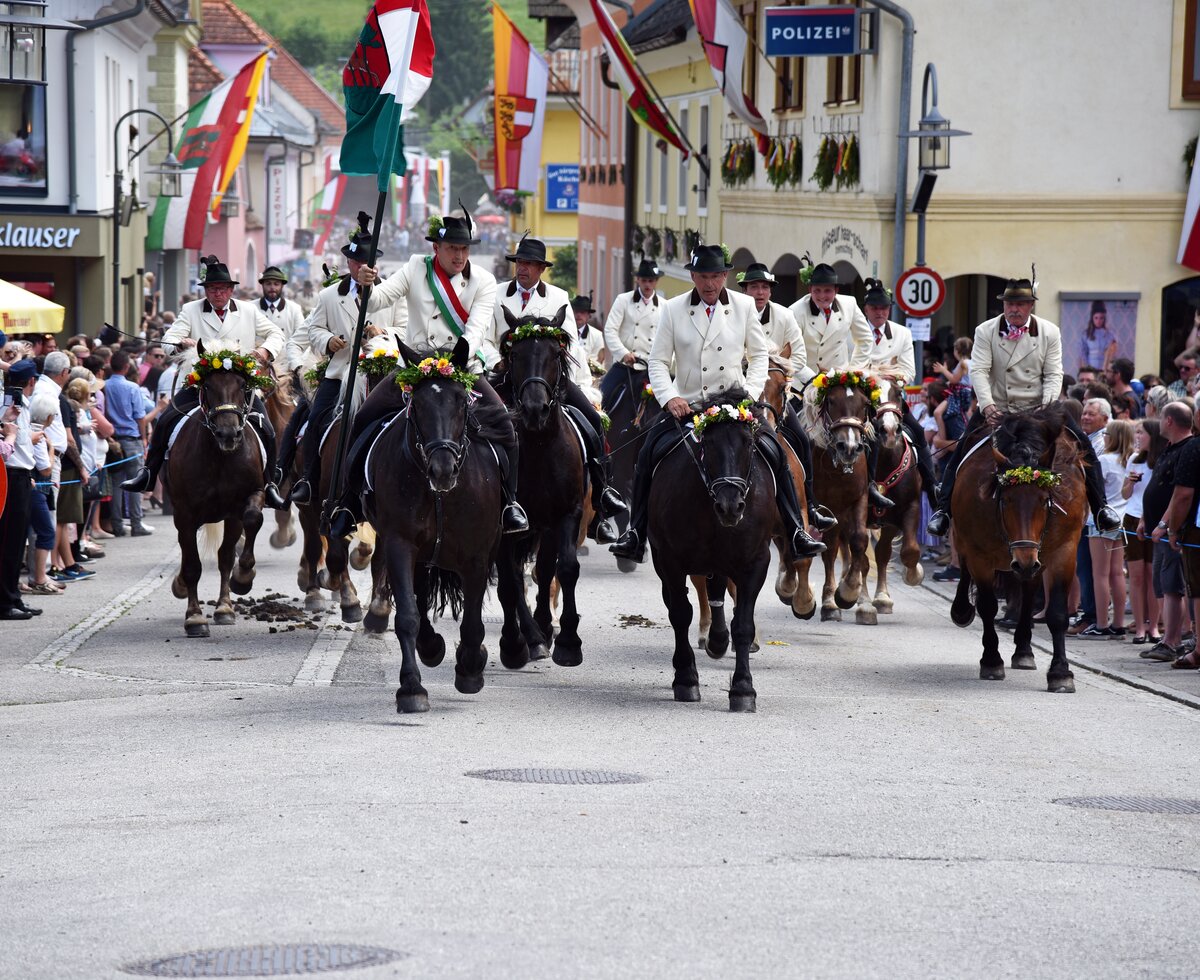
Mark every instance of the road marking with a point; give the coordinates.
(326, 654)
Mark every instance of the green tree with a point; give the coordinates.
(565, 271)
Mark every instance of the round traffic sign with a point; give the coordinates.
(920, 291)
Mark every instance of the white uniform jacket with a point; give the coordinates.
(631, 325)
(781, 329)
(336, 315)
(289, 317)
(892, 354)
(426, 327)
(546, 300)
(1017, 374)
(244, 328)
(843, 342)
(708, 354)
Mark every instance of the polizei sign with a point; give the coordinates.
(806, 31)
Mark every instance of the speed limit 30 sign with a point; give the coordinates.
(920, 291)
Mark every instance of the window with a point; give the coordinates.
(843, 79)
(702, 183)
(22, 103)
(748, 11)
(649, 181)
(789, 77)
(1191, 52)
(681, 193)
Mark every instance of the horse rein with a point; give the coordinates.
(739, 484)
(209, 415)
(1013, 545)
(425, 449)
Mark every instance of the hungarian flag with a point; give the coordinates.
(522, 76)
(1189, 241)
(642, 104)
(724, 41)
(390, 70)
(325, 206)
(210, 149)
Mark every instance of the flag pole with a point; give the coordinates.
(335, 482)
(674, 122)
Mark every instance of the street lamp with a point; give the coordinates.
(170, 174)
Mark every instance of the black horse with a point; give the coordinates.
(712, 512)
(625, 408)
(551, 486)
(435, 505)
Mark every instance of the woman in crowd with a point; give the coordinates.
(1108, 566)
(1147, 444)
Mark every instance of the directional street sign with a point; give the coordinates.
(920, 291)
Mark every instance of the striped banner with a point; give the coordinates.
(519, 107)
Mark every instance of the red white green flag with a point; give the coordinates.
(390, 70)
(210, 149)
(724, 41)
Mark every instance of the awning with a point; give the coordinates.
(24, 312)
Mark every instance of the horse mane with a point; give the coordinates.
(733, 396)
(1022, 437)
(284, 390)
(810, 417)
(489, 422)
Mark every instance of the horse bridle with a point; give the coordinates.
(209, 415)
(425, 449)
(712, 486)
(1013, 545)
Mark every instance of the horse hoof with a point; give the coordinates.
(866, 616)
(514, 658)
(238, 587)
(805, 615)
(754, 647)
(686, 692)
(1061, 685)
(314, 602)
(323, 580)
(829, 615)
(468, 683)
(626, 566)
(375, 623)
(1023, 660)
(539, 652)
(352, 614)
(716, 645)
(885, 607)
(224, 617)
(196, 630)
(359, 562)
(278, 542)
(914, 576)
(569, 655)
(743, 702)
(433, 653)
(844, 603)
(962, 615)
(411, 704)
(178, 588)
(785, 599)
(991, 673)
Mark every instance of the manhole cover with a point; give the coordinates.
(558, 777)
(1133, 804)
(265, 961)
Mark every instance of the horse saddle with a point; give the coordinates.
(587, 436)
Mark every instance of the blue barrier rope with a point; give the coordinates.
(106, 466)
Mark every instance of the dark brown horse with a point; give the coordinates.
(215, 477)
(1007, 518)
(551, 486)
(712, 512)
(436, 509)
(840, 428)
(901, 482)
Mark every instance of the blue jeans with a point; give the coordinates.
(41, 519)
(1083, 569)
(130, 446)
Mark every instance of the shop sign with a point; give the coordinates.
(32, 236)
(844, 241)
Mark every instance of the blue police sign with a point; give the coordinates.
(562, 187)
(807, 31)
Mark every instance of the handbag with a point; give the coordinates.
(92, 489)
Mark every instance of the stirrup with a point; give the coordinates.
(821, 517)
(140, 483)
(612, 503)
(876, 496)
(805, 546)
(939, 524)
(272, 498)
(342, 523)
(603, 530)
(631, 546)
(1107, 519)
(301, 492)
(514, 519)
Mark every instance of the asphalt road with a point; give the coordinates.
(885, 813)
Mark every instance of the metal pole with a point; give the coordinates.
(919, 345)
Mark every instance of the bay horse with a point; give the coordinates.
(712, 512)
(1020, 507)
(435, 506)
(902, 485)
(626, 435)
(214, 476)
(281, 403)
(551, 486)
(839, 425)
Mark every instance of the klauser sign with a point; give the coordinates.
(807, 31)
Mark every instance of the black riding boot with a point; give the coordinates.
(924, 457)
(632, 544)
(514, 519)
(874, 494)
(262, 425)
(287, 449)
(818, 516)
(605, 499)
(803, 546)
(160, 438)
(939, 523)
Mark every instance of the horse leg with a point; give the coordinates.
(223, 614)
(310, 560)
(252, 520)
(544, 568)
(883, 554)
(854, 558)
(336, 578)
(686, 684)
(431, 647)
(910, 548)
(376, 619)
(514, 651)
(568, 647)
(829, 609)
(991, 665)
(1059, 678)
(195, 623)
(360, 556)
(411, 697)
(716, 644)
(962, 610)
(785, 578)
(700, 584)
(1022, 658)
(804, 604)
(470, 657)
(742, 696)
(284, 535)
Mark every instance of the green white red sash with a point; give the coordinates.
(446, 298)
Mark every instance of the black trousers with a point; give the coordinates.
(14, 529)
(184, 402)
(320, 414)
(794, 432)
(924, 456)
(621, 380)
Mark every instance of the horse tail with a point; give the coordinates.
(444, 589)
(209, 538)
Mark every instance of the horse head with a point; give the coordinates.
(890, 413)
(1023, 448)
(726, 454)
(846, 412)
(437, 416)
(537, 361)
(779, 376)
(225, 398)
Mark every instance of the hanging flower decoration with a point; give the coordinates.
(737, 165)
(846, 172)
(778, 168)
(823, 172)
(379, 363)
(723, 413)
(1028, 476)
(534, 331)
(847, 379)
(670, 245)
(639, 238)
(315, 375)
(228, 360)
(431, 369)
(605, 421)
(795, 161)
(647, 392)
(652, 243)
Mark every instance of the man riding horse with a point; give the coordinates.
(1016, 365)
(527, 295)
(629, 331)
(217, 322)
(331, 327)
(706, 334)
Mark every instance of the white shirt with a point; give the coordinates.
(1133, 506)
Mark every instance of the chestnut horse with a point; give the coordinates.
(901, 483)
(215, 476)
(1026, 521)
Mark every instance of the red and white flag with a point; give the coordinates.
(724, 41)
(1189, 240)
(522, 77)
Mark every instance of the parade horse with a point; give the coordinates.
(839, 424)
(627, 434)
(435, 506)
(215, 477)
(712, 513)
(281, 403)
(900, 481)
(551, 486)
(1020, 505)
